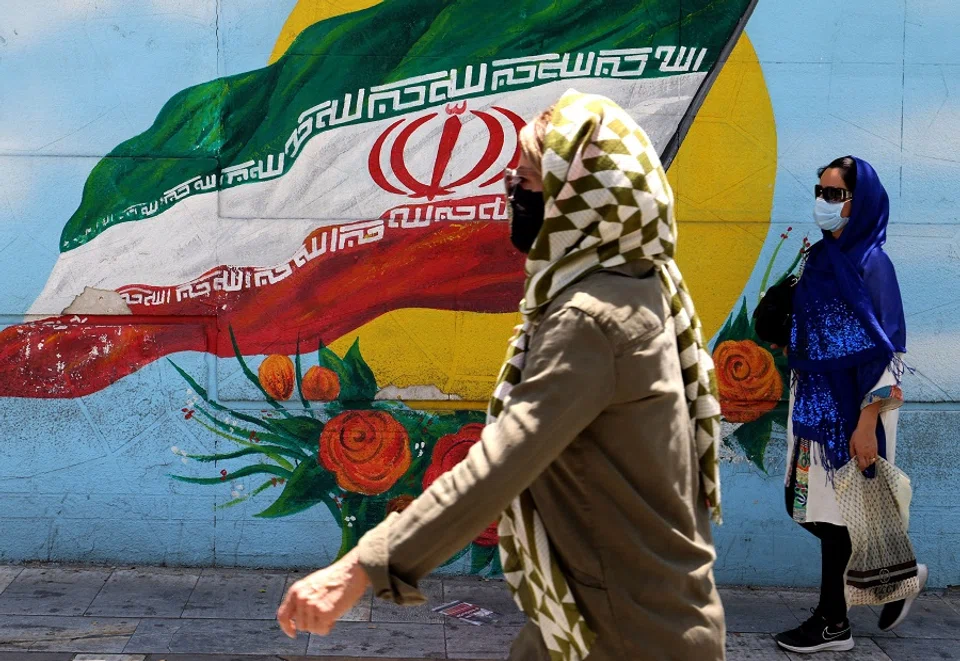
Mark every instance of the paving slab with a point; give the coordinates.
(36, 656)
(236, 594)
(952, 597)
(45, 633)
(228, 657)
(751, 641)
(52, 591)
(210, 636)
(468, 641)
(359, 613)
(919, 649)
(756, 611)
(381, 640)
(494, 595)
(153, 592)
(864, 650)
(752, 647)
(432, 589)
(756, 655)
(931, 617)
(255, 657)
(7, 574)
(144, 614)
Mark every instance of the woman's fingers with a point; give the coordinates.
(285, 617)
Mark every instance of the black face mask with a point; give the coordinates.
(526, 218)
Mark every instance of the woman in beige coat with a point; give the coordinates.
(600, 455)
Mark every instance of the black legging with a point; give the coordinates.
(834, 554)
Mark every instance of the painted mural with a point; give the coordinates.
(256, 267)
(360, 458)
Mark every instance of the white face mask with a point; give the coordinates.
(827, 215)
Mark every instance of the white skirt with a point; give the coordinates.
(813, 497)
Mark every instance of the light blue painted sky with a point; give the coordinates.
(78, 77)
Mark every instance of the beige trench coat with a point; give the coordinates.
(598, 431)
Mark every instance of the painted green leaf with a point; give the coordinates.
(200, 390)
(481, 557)
(327, 358)
(411, 419)
(310, 484)
(753, 438)
(237, 501)
(298, 371)
(255, 469)
(363, 385)
(253, 378)
(739, 326)
(496, 569)
(243, 452)
(290, 449)
(303, 427)
(742, 326)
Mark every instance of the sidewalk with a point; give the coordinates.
(54, 613)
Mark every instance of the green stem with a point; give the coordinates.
(243, 452)
(237, 501)
(277, 435)
(256, 469)
(352, 506)
(793, 266)
(264, 449)
(766, 274)
(200, 390)
(299, 370)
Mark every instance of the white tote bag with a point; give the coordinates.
(883, 566)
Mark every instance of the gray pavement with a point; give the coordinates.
(59, 613)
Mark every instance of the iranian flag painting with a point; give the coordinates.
(358, 174)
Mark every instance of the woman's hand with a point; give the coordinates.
(315, 603)
(863, 444)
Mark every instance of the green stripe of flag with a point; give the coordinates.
(248, 120)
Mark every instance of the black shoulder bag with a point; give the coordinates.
(773, 316)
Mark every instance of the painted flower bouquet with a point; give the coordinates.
(360, 457)
(752, 376)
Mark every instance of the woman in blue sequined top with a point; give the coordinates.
(845, 355)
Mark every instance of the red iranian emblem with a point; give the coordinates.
(496, 123)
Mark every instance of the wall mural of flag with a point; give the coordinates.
(330, 229)
(359, 173)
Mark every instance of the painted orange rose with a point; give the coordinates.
(276, 376)
(449, 451)
(748, 379)
(367, 451)
(321, 384)
(399, 503)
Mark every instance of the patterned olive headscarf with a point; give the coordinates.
(608, 202)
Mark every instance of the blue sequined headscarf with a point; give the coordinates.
(848, 324)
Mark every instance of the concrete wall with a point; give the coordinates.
(137, 431)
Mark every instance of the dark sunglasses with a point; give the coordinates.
(511, 181)
(832, 194)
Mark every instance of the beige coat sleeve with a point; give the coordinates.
(568, 380)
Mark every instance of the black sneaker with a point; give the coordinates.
(817, 635)
(896, 611)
